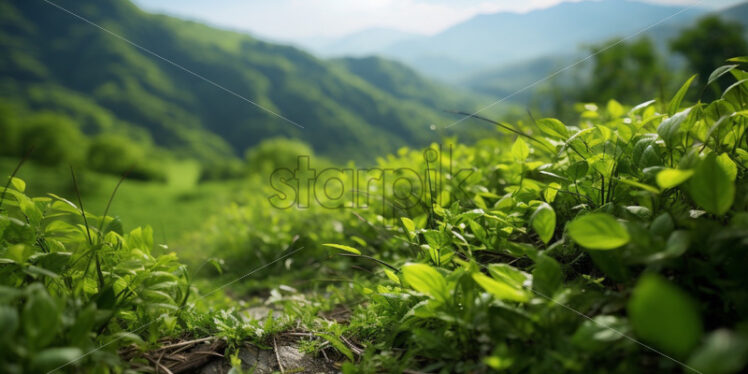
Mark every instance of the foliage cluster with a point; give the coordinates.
(565, 248)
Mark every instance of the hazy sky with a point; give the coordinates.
(298, 19)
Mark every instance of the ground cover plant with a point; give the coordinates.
(616, 243)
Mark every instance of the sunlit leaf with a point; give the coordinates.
(501, 290)
(669, 178)
(711, 186)
(425, 279)
(343, 248)
(543, 221)
(598, 231)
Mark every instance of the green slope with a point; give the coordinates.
(56, 61)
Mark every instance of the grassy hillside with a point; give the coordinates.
(57, 62)
(613, 244)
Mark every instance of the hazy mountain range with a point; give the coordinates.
(492, 40)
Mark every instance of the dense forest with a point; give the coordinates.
(186, 199)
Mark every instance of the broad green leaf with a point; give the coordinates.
(437, 239)
(550, 193)
(392, 276)
(408, 224)
(741, 59)
(520, 150)
(509, 274)
(678, 98)
(547, 276)
(711, 187)
(553, 128)
(18, 184)
(671, 127)
(728, 165)
(478, 231)
(500, 290)
(577, 170)
(598, 231)
(543, 221)
(615, 109)
(425, 279)
(664, 316)
(343, 248)
(670, 178)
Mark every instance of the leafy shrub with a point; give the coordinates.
(73, 291)
(54, 138)
(115, 154)
(567, 246)
(276, 153)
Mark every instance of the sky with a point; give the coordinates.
(295, 20)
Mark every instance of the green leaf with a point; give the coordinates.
(577, 170)
(478, 231)
(408, 224)
(40, 318)
(669, 178)
(615, 109)
(678, 98)
(18, 184)
(343, 248)
(741, 59)
(598, 231)
(425, 279)
(392, 276)
(543, 221)
(729, 166)
(719, 72)
(553, 128)
(711, 187)
(664, 316)
(520, 150)
(671, 127)
(509, 274)
(501, 290)
(547, 276)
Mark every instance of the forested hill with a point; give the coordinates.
(54, 61)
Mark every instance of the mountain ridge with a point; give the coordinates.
(56, 54)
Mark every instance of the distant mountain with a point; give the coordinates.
(56, 62)
(504, 80)
(737, 13)
(362, 43)
(491, 40)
